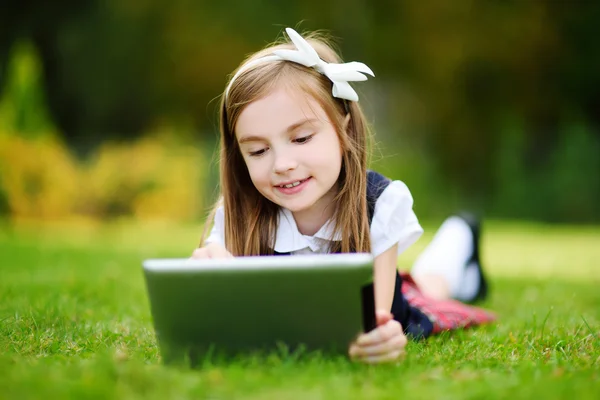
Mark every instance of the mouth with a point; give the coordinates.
(292, 184)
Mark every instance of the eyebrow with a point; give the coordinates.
(291, 128)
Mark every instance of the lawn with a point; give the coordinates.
(75, 323)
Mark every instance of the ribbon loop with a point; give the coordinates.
(305, 54)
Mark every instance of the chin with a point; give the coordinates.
(295, 206)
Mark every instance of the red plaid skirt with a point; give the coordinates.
(444, 314)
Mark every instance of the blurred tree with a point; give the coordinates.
(23, 109)
(40, 22)
(450, 75)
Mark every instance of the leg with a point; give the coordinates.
(433, 285)
(449, 267)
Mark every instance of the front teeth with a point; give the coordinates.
(291, 185)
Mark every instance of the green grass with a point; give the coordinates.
(75, 322)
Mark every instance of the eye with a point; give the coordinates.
(257, 153)
(304, 139)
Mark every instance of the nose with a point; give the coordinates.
(284, 162)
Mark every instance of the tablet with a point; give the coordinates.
(249, 304)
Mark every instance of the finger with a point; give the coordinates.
(380, 334)
(398, 342)
(219, 251)
(388, 357)
(200, 253)
(221, 254)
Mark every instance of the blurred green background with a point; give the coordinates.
(108, 108)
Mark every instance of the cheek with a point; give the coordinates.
(330, 153)
(326, 160)
(259, 172)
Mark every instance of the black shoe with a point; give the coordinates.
(475, 226)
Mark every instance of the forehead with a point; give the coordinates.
(277, 111)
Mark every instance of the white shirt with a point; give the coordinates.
(394, 221)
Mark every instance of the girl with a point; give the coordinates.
(294, 180)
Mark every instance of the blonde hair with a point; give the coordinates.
(250, 219)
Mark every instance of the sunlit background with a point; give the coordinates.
(108, 108)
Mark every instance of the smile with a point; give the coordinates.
(293, 184)
(294, 187)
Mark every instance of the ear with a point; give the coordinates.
(346, 122)
(343, 139)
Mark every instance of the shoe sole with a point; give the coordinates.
(475, 226)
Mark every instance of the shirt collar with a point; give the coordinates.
(290, 239)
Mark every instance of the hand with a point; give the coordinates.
(212, 250)
(383, 344)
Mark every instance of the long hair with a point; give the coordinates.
(250, 219)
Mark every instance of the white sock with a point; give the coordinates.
(470, 283)
(447, 254)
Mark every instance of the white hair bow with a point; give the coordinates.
(339, 74)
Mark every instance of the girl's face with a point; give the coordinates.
(292, 151)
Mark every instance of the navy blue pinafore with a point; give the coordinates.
(415, 324)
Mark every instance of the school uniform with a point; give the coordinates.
(392, 220)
